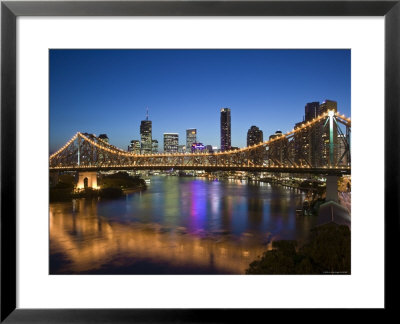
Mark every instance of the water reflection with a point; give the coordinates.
(177, 226)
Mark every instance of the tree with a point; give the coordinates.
(329, 248)
(327, 251)
(122, 180)
(280, 260)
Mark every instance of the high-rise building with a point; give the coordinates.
(276, 150)
(191, 137)
(326, 106)
(171, 142)
(145, 135)
(343, 150)
(209, 149)
(181, 149)
(134, 147)
(302, 145)
(311, 110)
(310, 138)
(104, 137)
(154, 146)
(312, 146)
(278, 133)
(254, 136)
(225, 129)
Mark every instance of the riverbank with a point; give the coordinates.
(110, 186)
(62, 194)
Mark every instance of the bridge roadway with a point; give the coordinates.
(338, 171)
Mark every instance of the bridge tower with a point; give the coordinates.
(331, 139)
(87, 180)
(332, 188)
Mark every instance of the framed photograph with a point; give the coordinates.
(164, 158)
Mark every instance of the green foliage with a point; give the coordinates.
(103, 193)
(273, 262)
(329, 248)
(86, 193)
(121, 180)
(63, 189)
(62, 185)
(65, 181)
(328, 251)
(288, 247)
(309, 184)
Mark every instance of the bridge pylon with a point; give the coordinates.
(87, 180)
(332, 188)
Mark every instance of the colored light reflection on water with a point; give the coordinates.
(177, 226)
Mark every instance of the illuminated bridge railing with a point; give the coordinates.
(319, 145)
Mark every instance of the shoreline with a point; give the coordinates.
(61, 195)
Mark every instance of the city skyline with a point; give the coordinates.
(184, 110)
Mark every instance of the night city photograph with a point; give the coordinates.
(200, 161)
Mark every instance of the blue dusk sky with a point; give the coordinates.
(107, 91)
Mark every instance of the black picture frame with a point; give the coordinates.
(10, 10)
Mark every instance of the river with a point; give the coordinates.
(178, 225)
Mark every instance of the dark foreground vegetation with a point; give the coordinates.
(326, 252)
(64, 189)
(121, 180)
(112, 186)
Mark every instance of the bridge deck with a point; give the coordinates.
(327, 171)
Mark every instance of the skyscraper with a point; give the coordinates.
(254, 136)
(311, 110)
(134, 147)
(276, 152)
(225, 129)
(154, 146)
(171, 142)
(191, 137)
(302, 145)
(104, 137)
(327, 105)
(312, 146)
(278, 133)
(311, 137)
(145, 134)
(342, 148)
